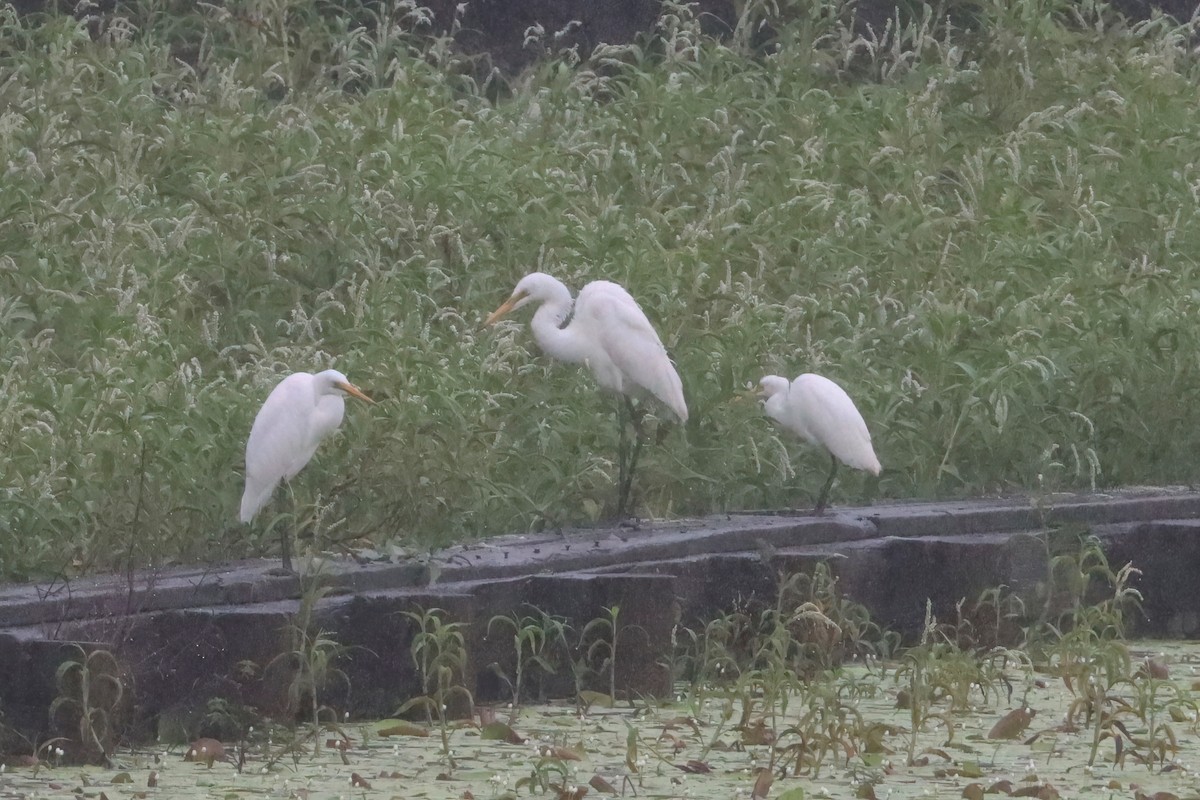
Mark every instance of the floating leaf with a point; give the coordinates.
(588, 698)
(675, 723)
(206, 751)
(973, 791)
(762, 784)
(1156, 667)
(122, 777)
(501, 732)
(1012, 724)
(399, 727)
(571, 792)
(561, 753)
(757, 733)
(601, 785)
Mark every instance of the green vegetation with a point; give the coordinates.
(1049, 701)
(90, 703)
(987, 236)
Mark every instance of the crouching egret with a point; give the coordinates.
(299, 412)
(607, 331)
(820, 412)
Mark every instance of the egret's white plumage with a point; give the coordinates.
(299, 412)
(820, 412)
(608, 333)
(605, 330)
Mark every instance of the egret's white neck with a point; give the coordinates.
(774, 406)
(556, 341)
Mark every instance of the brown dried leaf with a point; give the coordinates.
(757, 733)
(973, 791)
(695, 767)
(677, 744)
(358, 781)
(762, 784)
(152, 781)
(571, 792)
(675, 723)
(1002, 786)
(1156, 667)
(206, 751)
(501, 732)
(1012, 724)
(588, 698)
(561, 753)
(601, 785)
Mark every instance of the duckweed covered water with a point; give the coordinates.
(1147, 748)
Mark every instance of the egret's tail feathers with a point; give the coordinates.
(254, 498)
(672, 394)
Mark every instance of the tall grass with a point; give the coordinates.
(988, 237)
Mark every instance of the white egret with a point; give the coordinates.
(299, 412)
(820, 412)
(607, 331)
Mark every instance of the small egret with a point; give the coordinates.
(299, 412)
(820, 412)
(607, 331)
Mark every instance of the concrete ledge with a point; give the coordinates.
(189, 634)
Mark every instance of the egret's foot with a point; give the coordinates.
(822, 511)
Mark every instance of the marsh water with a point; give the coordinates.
(845, 735)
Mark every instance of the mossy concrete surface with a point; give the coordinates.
(186, 635)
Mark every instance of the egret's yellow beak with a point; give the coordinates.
(747, 395)
(508, 306)
(351, 389)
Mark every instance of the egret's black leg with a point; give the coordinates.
(285, 546)
(285, 540)
(823, 498)
(625, 484)
(622, 459)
